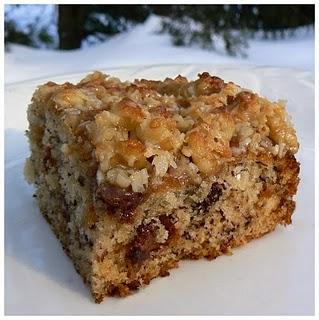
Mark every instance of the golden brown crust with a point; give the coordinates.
(216, 122)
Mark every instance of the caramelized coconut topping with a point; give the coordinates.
(138, 132)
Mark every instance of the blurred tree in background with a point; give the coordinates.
(96, 21)
(225, 27)
(232, 25)
(31, 25)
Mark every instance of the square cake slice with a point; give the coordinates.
(135, 176)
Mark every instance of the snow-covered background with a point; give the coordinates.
(143, 45)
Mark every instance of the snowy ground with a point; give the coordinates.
(142, 45)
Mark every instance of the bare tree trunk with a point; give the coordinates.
(71, 20)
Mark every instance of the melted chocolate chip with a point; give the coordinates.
(119, 202)
(168, 223)
(143, 243)
(213, 196)
(137, 254)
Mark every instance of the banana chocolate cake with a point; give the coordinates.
(135, 176)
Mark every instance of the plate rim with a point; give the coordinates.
(135, 66)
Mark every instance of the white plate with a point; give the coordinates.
(272, 275)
